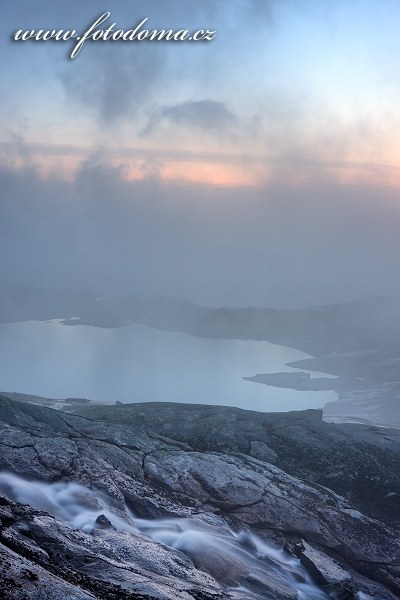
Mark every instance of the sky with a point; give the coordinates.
(259, 168)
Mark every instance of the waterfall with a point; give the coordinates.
(211, 547)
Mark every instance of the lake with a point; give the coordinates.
(139, 364)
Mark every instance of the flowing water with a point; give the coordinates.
(206, 544)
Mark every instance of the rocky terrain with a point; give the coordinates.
(196, 502)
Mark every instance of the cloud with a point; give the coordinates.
(204, 115)
(267, 105)
(110, 81)
(270, 246)
(111, 85)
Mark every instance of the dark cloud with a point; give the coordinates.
(205, 115)
(273, 246)
(112, 86)
(112, 80)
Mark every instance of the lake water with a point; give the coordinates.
(139, 364)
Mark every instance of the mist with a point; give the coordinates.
(276, 245)
(140, 364)
(240, 172)
(200, 299)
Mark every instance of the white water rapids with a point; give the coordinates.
(79, 507)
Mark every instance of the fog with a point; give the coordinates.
(271, 246)
(107, 161)
(256, 170)
(139, 364)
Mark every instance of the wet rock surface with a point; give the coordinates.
(359, 462)
(229, 468)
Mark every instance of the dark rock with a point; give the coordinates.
(325, 569)
(359, 462)
(104, 523)
(294, 381)
(77, 400)
(91, 564)
(263, 452)
(199, 463)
